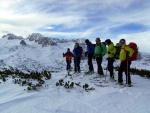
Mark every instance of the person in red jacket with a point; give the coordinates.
(68, 56)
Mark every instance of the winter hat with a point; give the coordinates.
(68, 49)
(86, 41)
(98, 39)
(76, 45)
(122, 41)
(108, 41)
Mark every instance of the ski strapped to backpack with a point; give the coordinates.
(135, 48)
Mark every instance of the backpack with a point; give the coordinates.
(102, 47)
(135, 48)
(118, 49)
(91, 47)
(104, 44)
(94, 45)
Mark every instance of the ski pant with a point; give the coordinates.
(124, 67)
(99, 66)
(110, 66)
(68, 64)
(77, 64)
(90, 56)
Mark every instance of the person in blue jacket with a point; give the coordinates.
(77, 57)
(90, 53)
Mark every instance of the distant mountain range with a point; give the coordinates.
(38, 52)
(38, 38)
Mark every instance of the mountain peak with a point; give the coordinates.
(35, 36)
(11, 36)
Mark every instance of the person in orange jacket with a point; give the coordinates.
(68, 56)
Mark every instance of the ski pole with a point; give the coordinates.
(106, 74)
(76, 64)
(127, 71)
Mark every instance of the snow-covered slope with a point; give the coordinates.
(32, 56)
(52, 99)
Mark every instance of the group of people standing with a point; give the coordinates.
(97, 51)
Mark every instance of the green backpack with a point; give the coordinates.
(118, 49)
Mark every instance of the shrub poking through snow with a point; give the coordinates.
(33, 80)
(71, 84)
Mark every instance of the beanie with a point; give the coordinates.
(98, 39)
(122, 41)
(86, 41)
(68, 49)
(108, 41)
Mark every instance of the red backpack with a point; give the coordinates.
(135, 48)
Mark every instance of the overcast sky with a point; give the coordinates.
(114, 19)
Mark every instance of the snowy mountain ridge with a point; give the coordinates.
(32, 55)
(11, 36)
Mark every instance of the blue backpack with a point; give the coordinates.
(90, 47)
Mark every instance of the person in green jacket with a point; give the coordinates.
(99, 52)
(111, 50)
(125, 54)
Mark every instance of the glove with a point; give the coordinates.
(63, 54)
(117, 68)
(86, 54)
(108, 52)
(93, 57)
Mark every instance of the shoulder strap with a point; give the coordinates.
(101, 46)
(127, 53)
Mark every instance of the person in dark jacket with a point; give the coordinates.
(68, 56)
(77, 57)
(90, 53)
